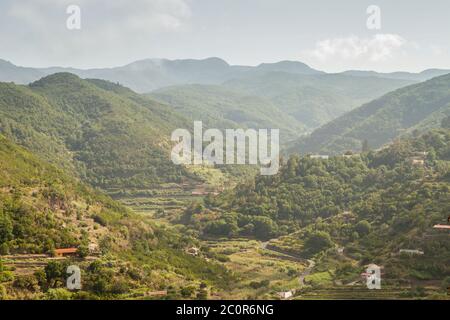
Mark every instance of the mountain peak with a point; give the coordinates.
(288, 66)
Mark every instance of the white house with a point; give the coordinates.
(319, 156)
(286, 295)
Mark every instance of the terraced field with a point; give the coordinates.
(262, 274)
(357, 293)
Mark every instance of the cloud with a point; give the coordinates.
(110, 30)
(378, 48)
(118, 14)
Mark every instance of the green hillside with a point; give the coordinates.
(314, 100)
(222, 108)
(416, 107)
(36, 198)
(43, 209)
(105, 133)
(372, 205)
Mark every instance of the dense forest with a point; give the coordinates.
(102, 132)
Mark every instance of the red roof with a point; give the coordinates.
(68, 250)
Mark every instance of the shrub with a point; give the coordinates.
(6, 276)
(187, 292)
(29, 283)
(318, 241)
(83, 251)
(363, 228)
(58, 294)
(100, 220)
(446, 283)
(120, 287)
(3, 293)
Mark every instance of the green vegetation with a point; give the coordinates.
(42, 209)
(314, 100)
(409, 110)
(222, 108)
(370, 205)
(104, 133)
(193, 232)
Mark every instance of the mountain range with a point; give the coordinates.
(150, 74)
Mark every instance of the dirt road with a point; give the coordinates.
(305, 273)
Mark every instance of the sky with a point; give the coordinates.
(328, 35)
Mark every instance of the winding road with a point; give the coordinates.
(305, 273)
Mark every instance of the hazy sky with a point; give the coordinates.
(327, 34)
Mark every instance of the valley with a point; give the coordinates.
(86, 180)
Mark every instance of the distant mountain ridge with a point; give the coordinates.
(150, 74)
(421, 76)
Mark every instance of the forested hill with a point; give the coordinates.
(223, 108)
(420, 106)
(294, 103)
(43, 209)
(314, 100)
(108, 135)
(372, 204)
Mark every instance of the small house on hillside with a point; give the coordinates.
(372, 266)
(442, 227)
(286, 295)
(417, 162)
(418, 159)
(349, 156)
(66, 252)
(319, 156)
(421, 154)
